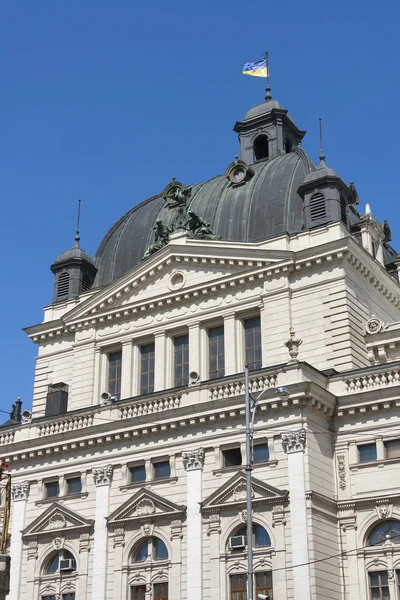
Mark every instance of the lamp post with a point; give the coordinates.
(251, 407)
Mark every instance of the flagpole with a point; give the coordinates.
(268, 89)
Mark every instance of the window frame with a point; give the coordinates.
(219, 357)
(252, 365)
(45, 488)
(236, 447)
(148, 361)
(380, 585)
(69, 478)
(260, 443)
(141, 465)
(159, 461)
(183, 366)
(367, 445)
(114, 373)
(386, 443)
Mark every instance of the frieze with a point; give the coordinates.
(20, 490)
(295, 441)
(102, 475)
(193, 459)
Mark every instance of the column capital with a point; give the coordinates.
(20, 490)
(102, 475)
(193, 459)
(295, 441)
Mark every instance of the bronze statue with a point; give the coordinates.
(178, 197)
(198, 228)
(161, 238)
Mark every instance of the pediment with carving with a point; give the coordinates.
(147, 506)
(57, 520)
(232, 495)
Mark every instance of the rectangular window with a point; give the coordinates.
(181, 374)
(74, 485)
(264, 584)
(252, 343)
(367, 452)
(160, 591)
(238, 587)
(114, 374)
(69, 596)
(52, 489)
(392, 449)
(138, 473)
(261, 453)
(147, 369)
(162, 469)
(57, 399)
(378, 585)
(232, 457)
(216, 352)
(48, 597)
(138, 592)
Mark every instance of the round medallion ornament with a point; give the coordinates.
(373, 325)
(175, 194)
(238, 172)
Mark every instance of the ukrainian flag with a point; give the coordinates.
(257, 69)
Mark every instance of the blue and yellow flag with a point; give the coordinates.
(257, 69)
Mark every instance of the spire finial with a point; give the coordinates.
(77, 238)
(268, 96)
(321, 147)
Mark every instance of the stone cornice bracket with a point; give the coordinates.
(295, 441)
(20, 490)
(102, 475)
(193, 459)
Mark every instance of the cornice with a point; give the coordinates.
(354, 503)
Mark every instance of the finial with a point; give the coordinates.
(77, 238)
(321, 147)
(268, 96)
(368, 210)
(292, 345)
(236, 158)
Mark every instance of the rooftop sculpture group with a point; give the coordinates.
(177, 196)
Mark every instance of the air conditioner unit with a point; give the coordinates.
(237, 542)
(67, 565)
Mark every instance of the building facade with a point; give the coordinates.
(128, 478)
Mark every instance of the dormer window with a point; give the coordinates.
(86, 282)
(63, 285)
(260, 148)
(287, 145)
(317, 207)
(343, 210)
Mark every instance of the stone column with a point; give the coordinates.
(294, 444)
(159, 360)
(230, 344)
(135, 387)
(19, 494)
(126, 371)
(193, 462)
(102, 478)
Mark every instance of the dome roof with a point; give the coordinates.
(321, 171)
(75, 252)
(262, 109)
(268, 204)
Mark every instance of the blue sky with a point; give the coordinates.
(106, 101)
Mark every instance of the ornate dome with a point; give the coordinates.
(266, 205)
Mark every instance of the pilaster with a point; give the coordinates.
(19, 495)
(126, 371)
(102, 478)
(294, 444)
(194, 348)
(159, 360)
(193, 463)
(230, 327)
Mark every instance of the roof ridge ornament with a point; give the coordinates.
(321, 147)
(77, 237)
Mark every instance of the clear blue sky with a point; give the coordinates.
(106, 101)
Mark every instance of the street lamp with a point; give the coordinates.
(251, 407)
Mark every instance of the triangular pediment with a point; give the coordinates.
(145, 505)
(57, 519)
(175, 271)
(233, 494)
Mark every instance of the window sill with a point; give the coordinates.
(266, 463)
(374, 463)
(61, 498)
(148, 484)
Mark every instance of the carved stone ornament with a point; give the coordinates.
(32, 550)
(213, 524)
(145, 507)
(292, 345)
(375, 325)
(102, 475)
(243, 516)
(58, 543)
(119, 537)
(20, 490)
(384, 511)
(341, 466)
(238, 172)
(176, 529)
(84, 542)
(147, 529)
(193, 459)
(278, 515)
(239, 492)
(294, 441)
(57, 521)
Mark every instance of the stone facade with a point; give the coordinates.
(145, 491)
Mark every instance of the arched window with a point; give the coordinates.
(260, 535)
(317, 207)
(260, 148)
(63, 285)
(288, 145)
(63, 561)
(388, 530)
(152, 548)
(86, 282)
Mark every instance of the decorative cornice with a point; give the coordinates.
(193, 459)
(294, 441)
(20, 490)
(102, 475)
